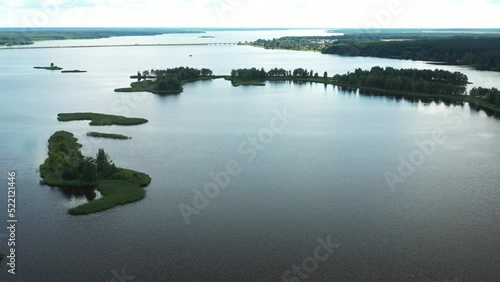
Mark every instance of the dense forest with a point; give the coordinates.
(166, 81)
(262, 74)
(173, 79)
(67, 163)
(482, 53)
(19, 36)
(437, 82)
(489, 95)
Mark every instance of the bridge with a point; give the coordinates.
(123, 45)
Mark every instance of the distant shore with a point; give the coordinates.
(119, 45)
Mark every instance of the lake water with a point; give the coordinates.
(322, 175)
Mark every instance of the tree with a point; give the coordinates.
(51, 65)
(145, 73)
(139, 76)
(88, 169)
(105, 167)
(206, 72)
(325, 75)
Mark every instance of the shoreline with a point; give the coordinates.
(121, 45)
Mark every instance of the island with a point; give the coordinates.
(101, 119)
(168, 81)
(52, 67)
(206, 36)
(108, 135)
(67, 167)
(73, 71)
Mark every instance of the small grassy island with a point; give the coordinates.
(73, 71)
(52, 67)
(101, 119)
(108, 135)
(167, 82)
(67, 167)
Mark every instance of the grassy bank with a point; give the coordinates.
(66, 167)
(237, 83)
(73, 71)
(48, 68)
(150, 86)
(123, 187)
(101, 119)
(107, 135)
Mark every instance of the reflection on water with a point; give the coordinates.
(79, 195)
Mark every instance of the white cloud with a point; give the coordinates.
(248, 13)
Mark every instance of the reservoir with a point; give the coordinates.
(327, 173)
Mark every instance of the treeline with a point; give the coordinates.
(19, 36)
(299, 43)
(67, 163)
(437, 82)
(262, 74)
(483, 54)
(173, 79)
(489, 95)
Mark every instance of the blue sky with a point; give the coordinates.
(251, 13)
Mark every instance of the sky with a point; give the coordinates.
(251, 13)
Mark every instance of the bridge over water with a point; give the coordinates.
(123, 45)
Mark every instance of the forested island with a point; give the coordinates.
(28, 36)
(101, 119)
(480, 51)
(67, 167)
(166, 81)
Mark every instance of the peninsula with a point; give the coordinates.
(168, 81)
